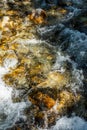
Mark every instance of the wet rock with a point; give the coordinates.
(56, 80)
(82, 112)
(39, 119)
(38, 16)
(17, 78)
(46, 4)
(34, 61)
(47, 87)
(40, 106)
(71, 100)
(42, 100)
(43, 97)
(52, 119)
(30, 113)
(3, 51)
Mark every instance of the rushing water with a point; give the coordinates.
(34, 64)
(73, 123)
(9, 112)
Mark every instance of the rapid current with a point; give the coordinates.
(43, 67)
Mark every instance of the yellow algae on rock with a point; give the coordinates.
(56, 80)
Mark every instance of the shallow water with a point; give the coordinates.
(73, 123)
(9, 112)
(42, 68)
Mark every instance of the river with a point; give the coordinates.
(43, 65)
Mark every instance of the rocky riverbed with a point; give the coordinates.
(43, 65)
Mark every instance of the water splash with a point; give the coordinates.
(9, 111)
(73, 123)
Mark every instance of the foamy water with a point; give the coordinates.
(9, 111)
(73, 123)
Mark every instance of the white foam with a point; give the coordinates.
(28, 41)
(59, 64)
(5, 20)
(10, 62)
(5, 92)
(73, 123)
(77, 77)
(11, 110)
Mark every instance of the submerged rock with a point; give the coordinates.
(34, 61)
(43, 98)
(39, 75)
(56, 80)
(48, 104)
(71, 100)
(38, 16)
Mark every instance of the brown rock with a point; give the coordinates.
(67, 100)
(38, 16)
(56, 80)
(33, 63)
(42, 100)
